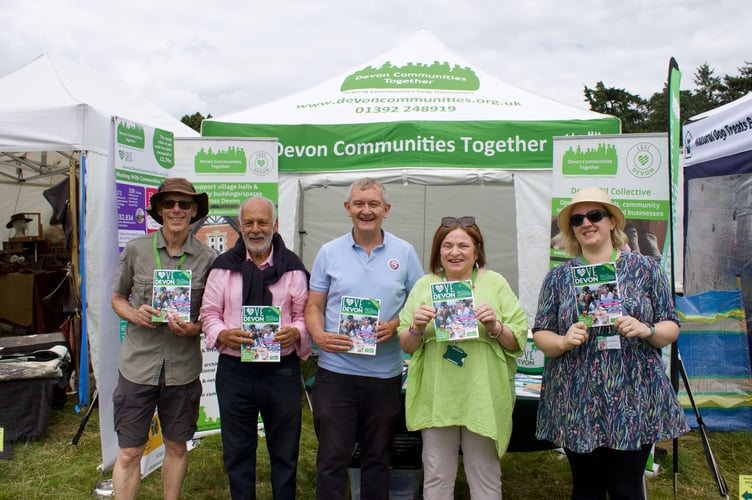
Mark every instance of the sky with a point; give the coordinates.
(225, 56)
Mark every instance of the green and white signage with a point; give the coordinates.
(228, 170)
(418, 105)
(633, 170)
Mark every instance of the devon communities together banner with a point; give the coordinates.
(229, 171)
(633, 170)
(418, 105)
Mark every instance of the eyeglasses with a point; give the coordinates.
(467, 221)
(169, 204)
(593, 216)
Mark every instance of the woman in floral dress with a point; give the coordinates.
(605, 396)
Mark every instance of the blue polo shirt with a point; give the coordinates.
(388, 274)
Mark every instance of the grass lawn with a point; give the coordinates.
(51, 468)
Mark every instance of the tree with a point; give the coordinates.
(631, 109)
(738, 86)
(709, 87)
(639, 115)
(194, 120)
(690, 104)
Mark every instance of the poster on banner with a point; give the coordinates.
(633, 170)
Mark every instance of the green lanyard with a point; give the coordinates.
(472, 280)
(585, 262)
(159, 261)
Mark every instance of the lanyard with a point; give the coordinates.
(472, 280)
(585, 262)
(159, 261)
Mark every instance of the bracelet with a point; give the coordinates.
(490, 334)
(412, 331)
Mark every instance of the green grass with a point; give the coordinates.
(51, 468)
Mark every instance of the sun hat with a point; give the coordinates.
(594, 195)
(16, 217)
(178, 185)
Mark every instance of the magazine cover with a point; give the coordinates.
(171, 294)
(262, 322)
(597, 291)
(455, 310)
(359, 318)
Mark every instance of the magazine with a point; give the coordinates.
(171, 294)
(262, 322)
(455, 310)
(359, 318)
(597, 290)
(527, 385)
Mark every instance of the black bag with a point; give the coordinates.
(63, 297)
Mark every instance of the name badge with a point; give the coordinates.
(455, 355)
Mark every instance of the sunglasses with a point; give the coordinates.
(593, 216)
(169, 204)
(467, 221)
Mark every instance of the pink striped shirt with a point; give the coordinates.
(223, 299)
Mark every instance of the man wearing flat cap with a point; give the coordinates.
(160, 363)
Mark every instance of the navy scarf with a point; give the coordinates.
(255, 281)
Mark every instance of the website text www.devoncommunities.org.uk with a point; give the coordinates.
(395, 104)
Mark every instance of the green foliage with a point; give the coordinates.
(651, 115)
(194, 120)
(737, 86)
(630, 108)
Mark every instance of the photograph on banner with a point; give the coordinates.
(229, 170)
(633, 170)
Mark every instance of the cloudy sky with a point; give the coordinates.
(228, 55)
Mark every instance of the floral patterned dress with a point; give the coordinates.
(617, 398)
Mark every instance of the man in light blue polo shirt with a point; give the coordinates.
(357, 397)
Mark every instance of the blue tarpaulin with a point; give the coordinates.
(714, 347)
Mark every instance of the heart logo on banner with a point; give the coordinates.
(581, 272)
(161, 274)
(349, 302)
(260, 162)
(439, 288)
(643, 159)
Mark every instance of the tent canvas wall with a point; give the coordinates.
(53, 111)
(718, 196)
(445, 137)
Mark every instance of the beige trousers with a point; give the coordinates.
(441, 446)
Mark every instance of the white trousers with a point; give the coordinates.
(441, 446)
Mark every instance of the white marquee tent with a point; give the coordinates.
(52, 112)
(445, 137)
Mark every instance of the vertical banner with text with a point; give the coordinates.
(229, 171)
(633, 170)
(142, 160)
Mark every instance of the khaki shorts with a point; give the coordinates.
(134, 406)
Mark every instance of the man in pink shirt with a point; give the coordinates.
(258, 271)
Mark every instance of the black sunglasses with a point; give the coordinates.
(593, 216)
(467, 221)
(183, 204)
